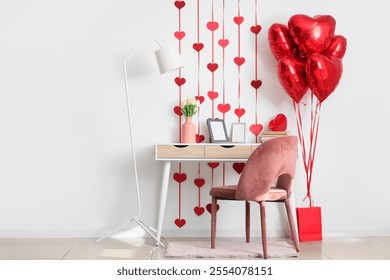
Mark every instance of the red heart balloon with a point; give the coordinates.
(292, 76)
(279, 123)
(238, 167)
(312, 35)
(323, 74)
(280, 41)
(208, 207)
(180, 222)
(337, 47)
(199, 210)
(224, 108)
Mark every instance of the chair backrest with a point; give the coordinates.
(274, 160)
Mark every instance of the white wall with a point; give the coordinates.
(65, 156)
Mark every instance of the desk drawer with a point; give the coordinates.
(227, 151)
(179, 151)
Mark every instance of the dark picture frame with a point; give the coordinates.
(217, 130)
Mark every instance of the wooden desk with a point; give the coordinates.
(181, 152)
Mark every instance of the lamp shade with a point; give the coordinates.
(168, 59)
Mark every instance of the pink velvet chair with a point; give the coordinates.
(267, 176)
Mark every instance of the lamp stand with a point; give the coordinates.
(151, 231)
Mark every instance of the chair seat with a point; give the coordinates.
(229, 192)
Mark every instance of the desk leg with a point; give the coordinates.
(163, 197)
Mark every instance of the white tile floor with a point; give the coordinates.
(359, 248)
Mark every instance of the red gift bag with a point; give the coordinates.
(309, 224)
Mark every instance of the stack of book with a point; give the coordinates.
(270, 134)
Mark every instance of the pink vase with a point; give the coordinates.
(188, 131)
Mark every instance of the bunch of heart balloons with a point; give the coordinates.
(309, 55)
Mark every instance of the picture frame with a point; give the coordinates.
(238, 132)
(217, 130)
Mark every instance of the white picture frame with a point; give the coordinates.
(238, 132)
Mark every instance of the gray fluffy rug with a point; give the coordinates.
(227, 249)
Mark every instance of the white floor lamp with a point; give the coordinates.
(168, 60)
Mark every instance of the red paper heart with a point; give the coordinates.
(180, 81)
(256, 128)
(212, 25)
(199, 210)
(180, 35)
(256, 84)
(239, 60)
(198, 46)
(199, 182)
(200, 98)
(223, 108)
(323, 74)
(212, 66)
(213, 164)
(239, 112)
(199, 138)
(212, 94)
(238, 167)
(180, 4)
(238, 20)
(180, 222)
(180, 177)
(178, 111)
(279, 123)
(256, 29)
(223, 43)
(312, 35)
(208, 207)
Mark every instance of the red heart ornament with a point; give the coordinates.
(208, 207)
(180, 222)
(180, 35)
(199, 182)
(180, 177)
(199, 138)
(213, 165)
(238, 20)
(212, 25)
(292, 77)
(224, 108)
(312, 35)
(212, 67)
(256, 29)
(177, 110)
(200, 98)
(256, 84)
(198, 46)
(199, 210)
(180, 81)
(212, 95)
(279, 123)
(239, 112)
(280, 42)
(223, 43)
(238, 167)
(323, 74)
(180, 4)
(256, 128)
(239, 60)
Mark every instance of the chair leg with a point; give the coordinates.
(213, 221)
(263, 228)
(294, 235)
(248, 221)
